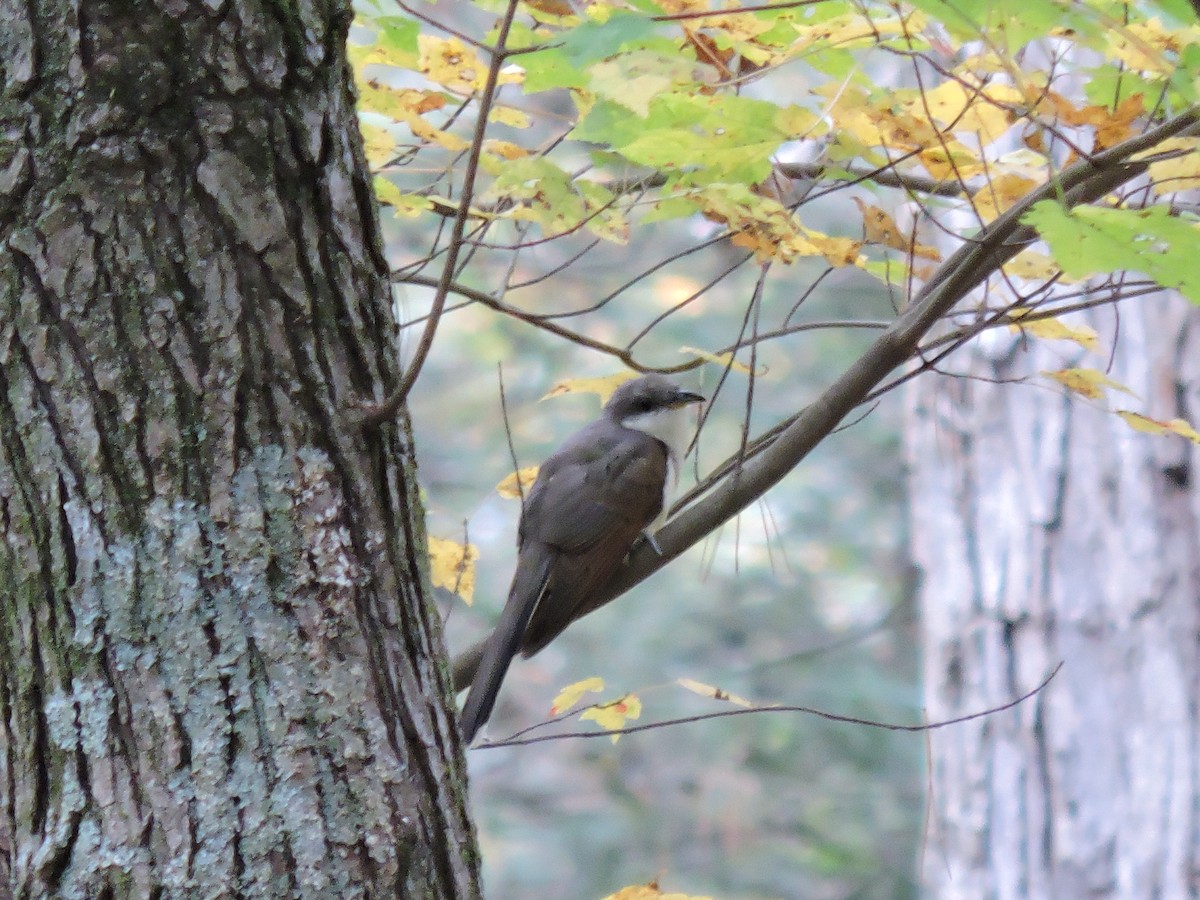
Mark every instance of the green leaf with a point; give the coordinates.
(550, 68)
(634, 79)
(594, 41)
(722, 137)
(398, 32)
(1093, 240)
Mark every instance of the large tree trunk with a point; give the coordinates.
(219, 672)
(1049, 530)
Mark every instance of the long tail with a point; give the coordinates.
(528, 585)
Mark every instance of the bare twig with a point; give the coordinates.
(387, 409)
(1083, 182)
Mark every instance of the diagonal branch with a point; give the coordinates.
(1084, 182)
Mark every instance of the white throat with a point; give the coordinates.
(674, 428)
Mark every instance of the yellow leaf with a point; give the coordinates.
(1145, 424)
(378, 143)
(379, 54)
(570, 695)
(452, 566)
(856, 29)
(602, 386)
(1145, 46)
(558, 8)
(957, 107)
(1053, 329)
(423, 130)
(1087, 382)
(724, 360)
(403, 206)
(707, 690)
(881, 228)
(950, 160)
(511, 116)
(614, 715)
(398, 103)
(838, 251)
(505, 149)
(1033, 265)
(796, 121)
(407, 105)
(1179, 174)
(510, 488)
(1000, 193)
(650, 892)
(631, 87)
(451, 63)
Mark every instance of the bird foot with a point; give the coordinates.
(649, 539)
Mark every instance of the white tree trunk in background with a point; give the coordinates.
(1048, 530)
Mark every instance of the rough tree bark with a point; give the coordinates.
(219, 673)
(1049, 530)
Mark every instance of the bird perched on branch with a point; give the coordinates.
(606, 485)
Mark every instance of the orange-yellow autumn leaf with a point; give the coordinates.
(398, 103)
(1122, 124)
(958, 107)
(571, 694)
(950, 161)
(1088, 383)
(708, 690)
(1053, 329)
(650, 892)
(510, 488)
(614, 715)
(881, 228)
(452, 566)
(559, 8)
(1138, 422)
(505, 149)
(407, 106)
(1000, 193)
(602, 386)
(838, 251)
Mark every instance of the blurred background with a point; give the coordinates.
(803, 600)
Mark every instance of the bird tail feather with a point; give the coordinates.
(528, 586)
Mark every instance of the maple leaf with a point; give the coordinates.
(571, 694)
(510, 487)
(614, 715)
(452, 566)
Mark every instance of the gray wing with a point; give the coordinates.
(591, 501)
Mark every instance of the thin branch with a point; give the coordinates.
(758, 710)
(388, 408)
(971, 265)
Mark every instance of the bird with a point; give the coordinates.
(603, 488)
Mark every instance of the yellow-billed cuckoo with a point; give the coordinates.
(606, 485)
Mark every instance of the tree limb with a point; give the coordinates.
(1084, 182)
